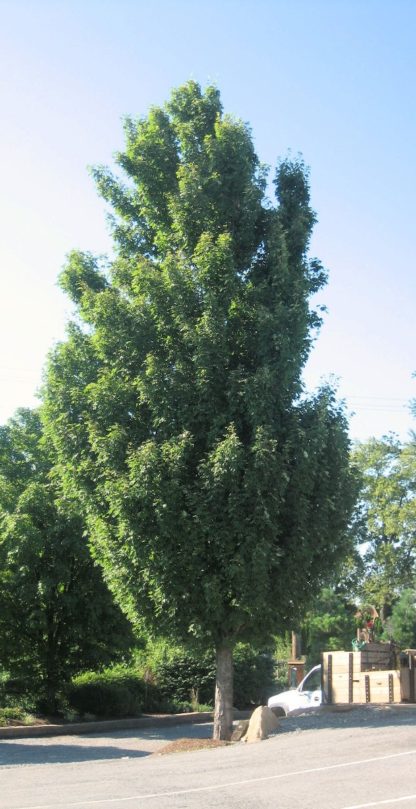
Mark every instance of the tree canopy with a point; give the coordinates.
(57, 616)
(216, 493)
(387, 507)
(402, 623)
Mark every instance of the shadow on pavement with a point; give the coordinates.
(87, 747)
(17, 754)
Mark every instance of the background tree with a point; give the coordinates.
(216, 496)
(387, 511)
(329, 624)
(402, 624)
(57, 616)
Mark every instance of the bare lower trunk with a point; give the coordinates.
(223, 716)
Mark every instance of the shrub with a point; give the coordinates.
(12, 716)
(102, 699)
(186, 677)
(174, 681)
(254, 677)
(182, 675)
(115, 692)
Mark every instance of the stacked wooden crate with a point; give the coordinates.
(370, 675)
(408, 675)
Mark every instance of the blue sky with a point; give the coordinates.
(332, 79)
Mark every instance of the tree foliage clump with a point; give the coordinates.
(387, 516)
(402, 624)
(329, 625)
(57, 616)
(216, 495)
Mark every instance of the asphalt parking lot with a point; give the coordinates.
(329, 760)
(117, 744)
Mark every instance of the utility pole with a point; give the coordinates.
(296, 646)
(296, 665)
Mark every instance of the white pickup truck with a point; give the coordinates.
(306, 696)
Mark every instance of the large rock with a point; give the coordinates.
(262, 722)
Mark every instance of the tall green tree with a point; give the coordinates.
(329, 624)
(217, 497)
(57, 616)
(402, 623)
(387, 508)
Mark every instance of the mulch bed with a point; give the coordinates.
(186, 745)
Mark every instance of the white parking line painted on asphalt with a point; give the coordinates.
(217, 787)
(387, 802)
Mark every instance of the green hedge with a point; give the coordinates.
(254, 678)
(176, 684)
(114, 693)
(187, 677)
(11, 716)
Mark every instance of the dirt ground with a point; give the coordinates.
(186, 745)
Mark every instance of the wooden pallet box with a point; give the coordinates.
(342, 689)
(378, 657)
(379, 686)
(408, 684)
(366, 687)
(346, 678)
(342, 661)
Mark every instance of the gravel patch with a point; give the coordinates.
(346, 716)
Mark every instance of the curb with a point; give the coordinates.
(144, 721)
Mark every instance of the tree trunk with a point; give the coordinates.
(223, 716)
(51, 672)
